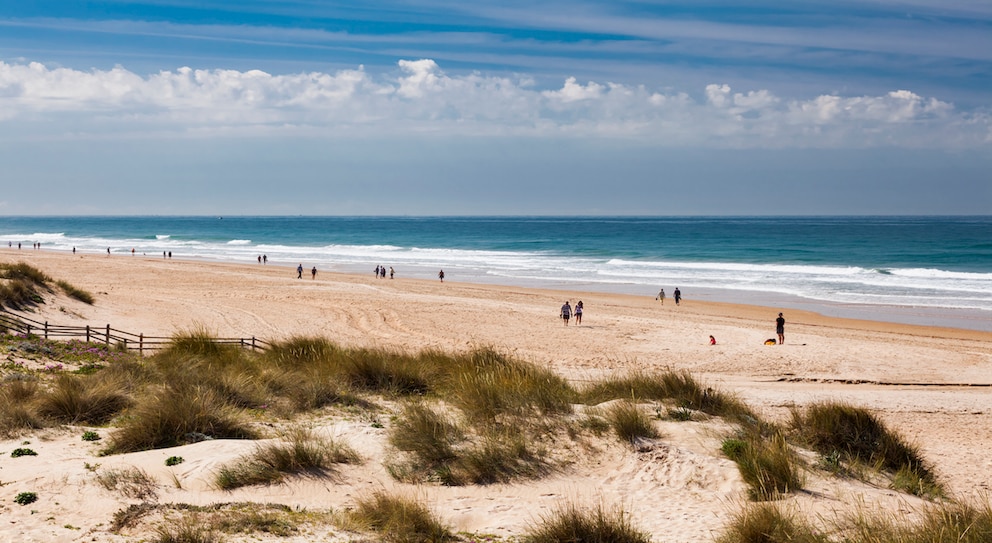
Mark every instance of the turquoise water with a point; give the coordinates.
(932, 270)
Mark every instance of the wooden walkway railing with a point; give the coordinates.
(108, 335)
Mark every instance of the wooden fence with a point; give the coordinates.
(107, 335)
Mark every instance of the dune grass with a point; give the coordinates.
(397, 519)
(20, 284)
(767, 523)
(573, 524)
(300, 453)
(856, 436)
(16, 412)
(629, 423)
(769, 466)
(74, 399)
(76, 293)
(130, 482)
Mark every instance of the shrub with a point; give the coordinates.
(501, 456)
(174, 461)
(187, 530)
(90, 435)
(25, 498)
(427, 435)
(15, 405)
(629, 423)
(20, 451)
(769, 466)
(857, 436)
(569, 523)
(398, 519)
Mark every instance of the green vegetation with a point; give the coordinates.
(20, 285)
(90, 435)
(25, 498)
(21, 451)
(629, 423)
(765, 523)
(130, 482)
(174, 461)
(397, 520)
(301, 453)
(768, 466)
(852, 435)
(570, 523)
(77, 293)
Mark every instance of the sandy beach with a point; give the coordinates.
(932, 385)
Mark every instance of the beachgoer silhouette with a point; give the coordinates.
(566, 313)
(712, 340)
(377, 272)
(391, 272)
(578, 312)
(265, 258)
(780, 328)
(313, 273)
(661, 296)
(678, 296)
(259, 258)
(440, 275)
(170, 254)
(299, 271)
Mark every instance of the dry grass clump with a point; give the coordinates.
(300, 453)
(768, 466)
(130, 482)
(19, 284)
(77, 293)
(211, 520)
(489, 387)
(766, 523)
(854, 435)
(74, 399)
(629, 423)
(189, 529)
(572, 524)
(174, 414)
(397, 520)
(16, 395)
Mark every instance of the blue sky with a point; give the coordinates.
(437, 107)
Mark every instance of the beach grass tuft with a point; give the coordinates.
(73, 399)
(629, 423)
(854, 435)
(300, 452)
(398, 519)
(76, 293)
(568, 522)
(130, 482)
(767, 465)
(767, 523)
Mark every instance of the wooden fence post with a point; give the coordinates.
(87, 333)
(46, 329)
(252, 343)
(141, 343)
(107, 338)
(28, 333)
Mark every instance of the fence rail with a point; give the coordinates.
(108, 335)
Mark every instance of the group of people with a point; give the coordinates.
(677, 295)
(567, 311)
(299, 272)
(380, 272)
(263, 259)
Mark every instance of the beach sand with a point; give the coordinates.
(929, 384)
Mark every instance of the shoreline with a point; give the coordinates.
(705, 303)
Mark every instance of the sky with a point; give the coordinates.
(439, 107)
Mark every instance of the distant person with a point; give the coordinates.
(578, 313)
(391, 272)
(678, 296)
(265, 258)
(440, 275)
(566, 313)
(376, 272)
(299, 271)
(19, 247)
(259, 258)
(73, 250)
(313, 273)
(108, 251)
(132, 251)
(661, 296)
(170, 254)
(712, 340)
(780, 328)
(382, 272)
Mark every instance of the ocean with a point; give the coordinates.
(917, 270)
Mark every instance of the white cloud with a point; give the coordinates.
(421, 97)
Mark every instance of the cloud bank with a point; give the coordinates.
(419, 98)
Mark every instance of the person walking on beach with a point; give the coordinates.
(265, 259)
(299, 271)
(578, 313)
(376, 271)
(678, 296)
(661, 296)
(780, 328)
(391, 272)
(313, 273)
(566, 313)
(440, 275)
